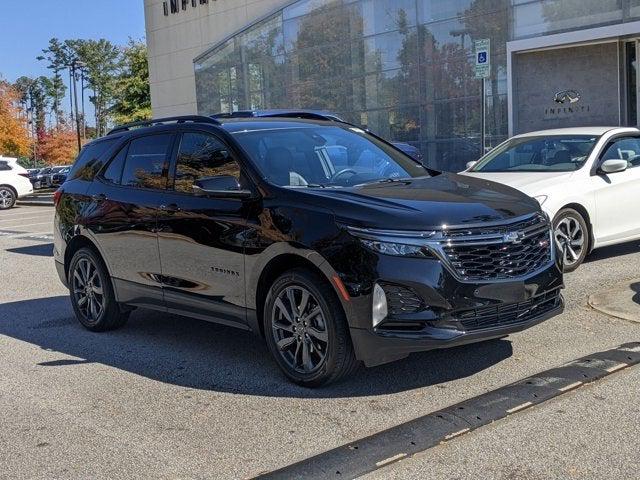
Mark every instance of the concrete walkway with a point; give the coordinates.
(621, 301)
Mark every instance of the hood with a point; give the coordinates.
(424, 203)
(531, 183)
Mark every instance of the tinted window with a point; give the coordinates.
(4, 166)
(624, 149)
(113, 173)
(145, 162)
(201, 156)
(325, 155)
(90, 160)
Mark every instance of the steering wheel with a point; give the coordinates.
(344, 171)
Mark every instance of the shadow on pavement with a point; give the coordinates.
(628, 248)
(201, 355)
(636, 288)
(42, 250)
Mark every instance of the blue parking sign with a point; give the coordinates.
(482, 57)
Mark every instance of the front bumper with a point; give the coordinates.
(442, 311)
(374, 348)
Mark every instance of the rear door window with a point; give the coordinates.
(91, 159)
(146, 162)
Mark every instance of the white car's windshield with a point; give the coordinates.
(320, 155)
(565, 153)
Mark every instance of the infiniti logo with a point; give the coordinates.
(567, 96)
(513, 237)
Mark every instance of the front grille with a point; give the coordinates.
(502, 252)
(507, 314)
(401, 300)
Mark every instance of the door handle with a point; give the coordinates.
(171, 208)
(99, 197)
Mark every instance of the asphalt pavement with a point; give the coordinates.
(172, 397)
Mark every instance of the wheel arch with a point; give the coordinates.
(75, 244)
(10, 187)
(275, 267)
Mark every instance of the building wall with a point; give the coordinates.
(590, 70)
(175, 40)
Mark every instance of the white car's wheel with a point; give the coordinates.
(572, 235)
(7, 198)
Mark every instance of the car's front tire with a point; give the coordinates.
(572, 236)
(7, 198)
(92, 296)
(306, 330)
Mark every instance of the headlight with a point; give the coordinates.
(394, 242)
(541, 199)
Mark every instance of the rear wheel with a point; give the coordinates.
(7, 198)
(306, 330)
(92, 295)
(572, 235)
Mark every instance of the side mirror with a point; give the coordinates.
(614, 166)
(471, 164)
(223, 186)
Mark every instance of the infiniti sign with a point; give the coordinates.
(567, 96)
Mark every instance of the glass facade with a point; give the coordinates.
(403, 68)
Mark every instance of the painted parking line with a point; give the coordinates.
(397, 443)
(43, 236)
(19, 225)
(39, 217)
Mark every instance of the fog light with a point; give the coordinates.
(379, 311)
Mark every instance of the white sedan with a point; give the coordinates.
(14, 182)
(586, 179)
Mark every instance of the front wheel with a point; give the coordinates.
(572, 236)
(7, 198)
(306, 330)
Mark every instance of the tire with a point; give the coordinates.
(7, 198)
(313, 349)
(99, 311)
(572, 236)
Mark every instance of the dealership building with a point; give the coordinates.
(410, 70)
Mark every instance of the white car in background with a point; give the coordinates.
(586, 179)
(14, 182)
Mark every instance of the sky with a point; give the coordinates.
(27, 25)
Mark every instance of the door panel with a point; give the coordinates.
(123, 217)
(201, 239)
(617, 195)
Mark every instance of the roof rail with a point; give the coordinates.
(160, 121)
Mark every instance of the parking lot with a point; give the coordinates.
(170, 397)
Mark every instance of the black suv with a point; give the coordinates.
(324, 239)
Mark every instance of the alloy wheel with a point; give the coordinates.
(6, 198)
(299, 329)
(570, 235)
(88, 290)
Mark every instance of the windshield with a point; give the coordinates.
(539, 154)
(318, 155)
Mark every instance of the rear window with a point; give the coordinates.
(91, 159)
(4, 166)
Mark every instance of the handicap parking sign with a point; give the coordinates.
(482, 57)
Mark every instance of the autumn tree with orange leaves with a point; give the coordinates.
(58, 145)
(14, 133)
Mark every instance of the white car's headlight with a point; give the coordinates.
(541, 199)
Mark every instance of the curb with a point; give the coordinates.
(621, 301)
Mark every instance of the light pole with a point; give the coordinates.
(74, 66)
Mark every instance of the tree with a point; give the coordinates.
(58, 58)
(132, 92)
(99, 60)
(58, 145)
(14, 133)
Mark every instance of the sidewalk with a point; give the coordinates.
(621, 301)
